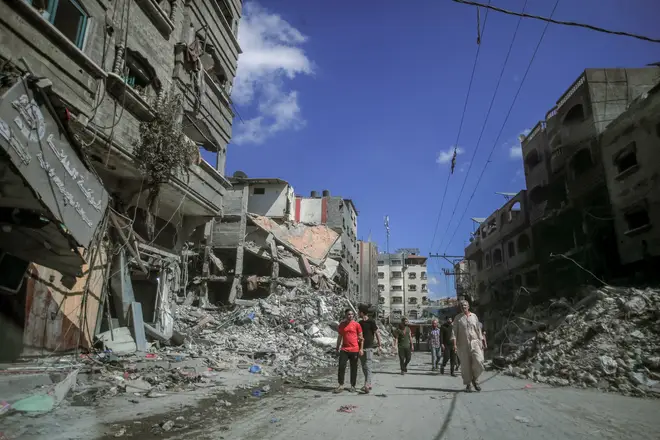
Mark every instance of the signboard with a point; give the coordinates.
(32, 139)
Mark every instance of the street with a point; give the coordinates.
(424, 406)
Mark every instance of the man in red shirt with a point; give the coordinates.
(349, 346)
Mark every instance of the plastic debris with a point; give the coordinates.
(347, 408)
(254, 369)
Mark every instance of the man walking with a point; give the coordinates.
(470, 345)
(403, 344)
(369, 333)
(349, 347)
(448, 347)
(435, 345)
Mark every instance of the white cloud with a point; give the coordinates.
(464, 167)
(445, 156)
(433, 281)
(515, 149)
(271, 56)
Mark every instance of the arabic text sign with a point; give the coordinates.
(43, 155)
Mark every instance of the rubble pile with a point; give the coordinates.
(609, 340)
(290, 333)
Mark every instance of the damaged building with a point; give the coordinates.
(578, 172)
(105, 105)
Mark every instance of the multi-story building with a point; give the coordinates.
(631, 158)
(465, 279)
(368, 272)
(132, 90)
(340, 215)
(403, 284)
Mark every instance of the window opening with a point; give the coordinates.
(259, 191)
(626, 158)
(66, 15)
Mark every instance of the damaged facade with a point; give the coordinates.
(82, 85)
(579, 176)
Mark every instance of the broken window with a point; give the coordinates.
(574, 115)
(532, 159)
(67, 16)
(397, 300)
(259, 191)
(512, 249)
(381, 275)
(637, 218)
(140, 75)
(581, 162)
(626, 158)
(492, 226)
(412, 287)
(523, 243)
(497, 257)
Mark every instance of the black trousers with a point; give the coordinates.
(449, 355)
(405, 354)
(345, 357)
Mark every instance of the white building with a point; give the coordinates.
(269, 197)
(402, 284)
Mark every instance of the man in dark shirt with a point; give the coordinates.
(369, 332)
(448, 351)
(403, 344)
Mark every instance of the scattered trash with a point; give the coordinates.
(274, 420)
(254, 369)
(381, 395)
(167, 426)
(347, 408)
(266, 388)
(37, 403)
(522, 419)
(120, 433)
(526, 387)
(257, 393)
(4, 407)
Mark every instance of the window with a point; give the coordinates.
(412, 287)
(412, 314)
(381, 300)
(381, 275)
(412, 300)
(397, 275)
(497, 257)
(66, 15)
(626, 158)
(423, 275)
(381, 287)
(381, 262)
(396, 314)
(412, 275)
(424, 288)
(259, 191)
(637, 218)
(397, 300)
(574, 115)
(226, 13)
(396, 262)
(397, 289)
(581, 162)
(512, 249)
(532, 159)
(523, 243)
(140, 75)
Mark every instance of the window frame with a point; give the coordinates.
(82, 24)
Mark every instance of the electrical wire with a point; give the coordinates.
(499, 135)
(460, 125)
(483, 127)
(563, 23)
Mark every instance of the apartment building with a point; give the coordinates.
(340, 215)
(106, 80)
(465, 280)
(403, 284)
(631, 157)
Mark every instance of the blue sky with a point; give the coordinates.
(362, 98)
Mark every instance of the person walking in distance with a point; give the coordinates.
(435, 345)
(470, 345)
(369, 333)
(349, 347)
(448, 347)
(403, 343)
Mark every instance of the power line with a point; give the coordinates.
(483, 127)
(515, 98)
(460, 126)
(564, 23)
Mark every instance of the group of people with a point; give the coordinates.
(460, 342)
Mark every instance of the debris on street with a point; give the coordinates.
(610, 340)
(347, 408)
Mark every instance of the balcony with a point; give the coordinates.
(473, 249)
(576, 133)
(537, 211)
(586, 182)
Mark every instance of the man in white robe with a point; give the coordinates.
(469, 345)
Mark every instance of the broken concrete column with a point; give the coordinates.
(236, 287)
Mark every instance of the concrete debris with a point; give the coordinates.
(609, 340)
(289, 333)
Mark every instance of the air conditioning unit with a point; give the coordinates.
(12, 273)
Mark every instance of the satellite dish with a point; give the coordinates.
(240, 175)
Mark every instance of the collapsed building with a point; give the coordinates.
(586, 213)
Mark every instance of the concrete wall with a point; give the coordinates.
(274, 203)
(634, 184)
(368, 265)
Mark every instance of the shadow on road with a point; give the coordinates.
(399, 374)
(445, 423)
(444, 390)
(320, 388)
